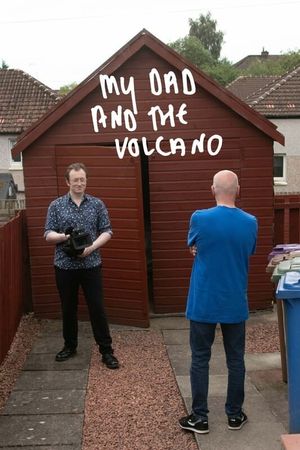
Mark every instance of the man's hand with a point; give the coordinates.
(87, 251)
(97, 244)
(193, 250)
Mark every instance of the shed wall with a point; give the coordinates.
(177, 186)
(180, 186)
(118, 184)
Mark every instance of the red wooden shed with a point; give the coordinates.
(152, 129)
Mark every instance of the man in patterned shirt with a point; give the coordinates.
(77, 210)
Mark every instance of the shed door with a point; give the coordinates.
(118, 183)
(178, 186)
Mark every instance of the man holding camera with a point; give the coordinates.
(78, 224)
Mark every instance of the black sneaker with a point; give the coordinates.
(191, 423)
(236, 423)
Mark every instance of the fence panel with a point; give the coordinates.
(14, 288)
(287, 219)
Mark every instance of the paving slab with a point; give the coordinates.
(262, 431)
(179, 349)
(45, 380)
(267, 361)
(256, 408)
(274, 390)
(54, 327)
(45, 402)
(40, 361)
(253, 436)
(173, 337)
(54, 344)
(54, 429)
(169, 322)
(181, 365)
(266, 395)
(46, 407)
(217, 385)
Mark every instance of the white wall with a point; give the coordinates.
(5, 162)
(290, 128)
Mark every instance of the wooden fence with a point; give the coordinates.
(14, 279)
(287, 219)
(15, 293)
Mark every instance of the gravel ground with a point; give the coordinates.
(262, 338)
(136, 407)
(11, 367)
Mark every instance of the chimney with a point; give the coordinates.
(264, 53)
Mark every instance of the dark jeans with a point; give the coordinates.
(201, 339)
(68, 283)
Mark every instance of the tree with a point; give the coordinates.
(192, 49)
(285, 63)
(203, 47)
(291, 60)
(205, 29)
(63, 90)
(4, 65)
(223, 71)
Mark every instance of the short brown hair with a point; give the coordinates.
(75, 166)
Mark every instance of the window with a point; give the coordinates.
(279, 169)
(15, 162)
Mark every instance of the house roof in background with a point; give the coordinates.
(249, 60)
(23, 100)
(247, 85)
(282, 98)
(277, 98)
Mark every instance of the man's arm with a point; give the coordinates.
(52, 233)
(56, 238)
(99, 242)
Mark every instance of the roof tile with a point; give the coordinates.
(282, 98)
(276, 96)
(247, 85)
(23, 100)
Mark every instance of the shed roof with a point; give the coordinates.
(23, 100)
(145, 39)
(279, 97)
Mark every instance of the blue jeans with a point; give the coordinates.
(201, 339)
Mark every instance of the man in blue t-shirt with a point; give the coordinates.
(222, 239)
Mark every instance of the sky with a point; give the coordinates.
(62, 41)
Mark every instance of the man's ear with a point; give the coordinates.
(238, 190)
(213, 191)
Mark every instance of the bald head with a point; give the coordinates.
(225, 187)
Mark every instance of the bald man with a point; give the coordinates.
(222, 239)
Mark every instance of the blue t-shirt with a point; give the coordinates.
(225, 238)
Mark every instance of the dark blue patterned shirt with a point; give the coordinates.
(91, 216)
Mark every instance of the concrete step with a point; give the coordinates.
(290, 441)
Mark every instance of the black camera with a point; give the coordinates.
(77, 242)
